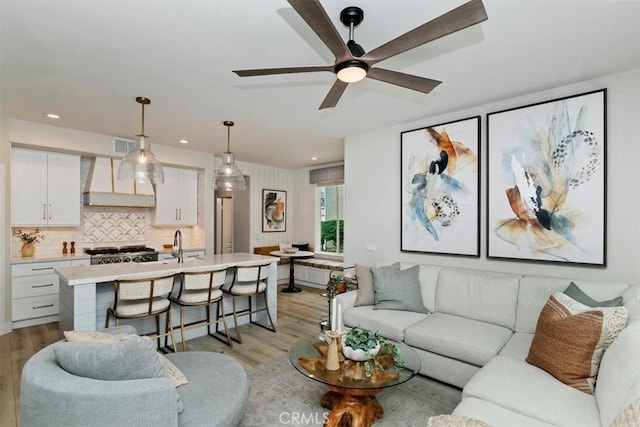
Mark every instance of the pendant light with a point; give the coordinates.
(228, 177)
(140, 164)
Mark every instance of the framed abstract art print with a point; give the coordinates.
(274, 210)
(440, 188)
(546, 181)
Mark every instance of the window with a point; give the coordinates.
(331, 232)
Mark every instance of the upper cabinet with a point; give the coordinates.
(45, 188)
(177, 198)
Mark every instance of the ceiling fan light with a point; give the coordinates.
(351, 71)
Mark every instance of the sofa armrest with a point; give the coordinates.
(49, 395)
(346, 299)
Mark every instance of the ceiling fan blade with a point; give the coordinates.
(421, 84)
(316, 17)
(464, 16)
(332, 98)
(285, 70)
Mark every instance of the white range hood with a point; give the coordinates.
(104, 189)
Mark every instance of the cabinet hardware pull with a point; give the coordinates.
(41, 286)
(49, 211)
(35, 307)
(180, 210)
(44, 211)
(42, 268)
(176, 214)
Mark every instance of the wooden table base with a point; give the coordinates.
(351, 410)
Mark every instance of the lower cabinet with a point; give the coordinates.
(35, 291)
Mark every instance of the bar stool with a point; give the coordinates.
(144, 297)
(249, 282)
(202, 289)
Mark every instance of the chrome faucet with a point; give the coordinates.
(176, 251)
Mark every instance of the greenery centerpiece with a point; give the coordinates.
(364, 345)
(29, 239)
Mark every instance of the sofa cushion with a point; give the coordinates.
(397, 289)
(495, 415)
(459, 338)
(570, 339)
(619, 377)
(218, 389)
(578, 294)
(390, 323)
(480, 295)
(365, 294)
(518, 346)
(130, 359)
(525, 389)
(535, 290)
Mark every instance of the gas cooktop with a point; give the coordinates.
(114, 254)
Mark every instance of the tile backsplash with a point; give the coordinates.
(103, 226)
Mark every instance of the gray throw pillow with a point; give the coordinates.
(364, 293)
(574, 292)
(398, 289)
(130, 359)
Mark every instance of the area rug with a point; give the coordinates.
(280, 395)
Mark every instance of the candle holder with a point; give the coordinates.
(333, 358)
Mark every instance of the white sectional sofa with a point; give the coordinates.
(476, 336)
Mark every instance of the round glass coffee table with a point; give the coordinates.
(351, 394)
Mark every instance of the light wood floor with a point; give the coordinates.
(298, 316)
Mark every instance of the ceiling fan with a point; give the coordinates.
(354, 64)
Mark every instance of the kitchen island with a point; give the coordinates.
(87, 291)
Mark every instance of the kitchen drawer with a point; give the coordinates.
(32, 286)
(32, 307)
(36, 268)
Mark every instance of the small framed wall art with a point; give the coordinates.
(546, 181)
(440, 193)
(274, 211)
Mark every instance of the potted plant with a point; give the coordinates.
(29, 239)
(360, 344)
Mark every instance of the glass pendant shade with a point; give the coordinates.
(228, 177)
(140, 164)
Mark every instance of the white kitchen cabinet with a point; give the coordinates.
(177, 198)
(35, 291)
(45, 188)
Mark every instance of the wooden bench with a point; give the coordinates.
(318, 274)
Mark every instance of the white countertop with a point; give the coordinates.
(109, 272)
(49, 257)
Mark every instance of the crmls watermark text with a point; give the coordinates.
(301, 418)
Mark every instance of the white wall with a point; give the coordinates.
(5, 229)
(372, 179)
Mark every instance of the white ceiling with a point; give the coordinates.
(87, 61)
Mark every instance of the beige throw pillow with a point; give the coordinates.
(455, 421)
(365, 293)
(570, 339)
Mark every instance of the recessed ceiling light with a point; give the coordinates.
(314, 158)
(53, 116)
(183, 141)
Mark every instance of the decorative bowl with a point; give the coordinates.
(359, 355)
(290, 250)
(167, 246)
